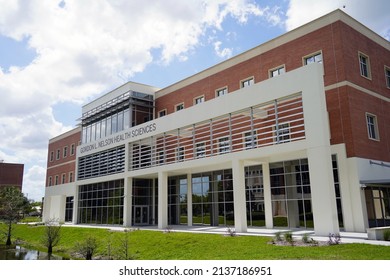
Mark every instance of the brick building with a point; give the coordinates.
(11, 175)
(293, 133)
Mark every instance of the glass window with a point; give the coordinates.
(387, 76)
(316, 58)
(224, 145)
(58, 154)
(221, 92)
(200, 150)
(250, 140)
(50, 181)
(65, 152)
(282, 132)
(72, 149)
(93, 132)
(114, 123)
(108, 126)
(126, 119)
(120, 121)
(180, 107)
(180, 154)
(51, 156)
(199, 100)
(364, 65)
(372, 127)
(247, 82)
(162, 113)
(276, 72)
(103, 128)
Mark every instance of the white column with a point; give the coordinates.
(162, 200)
(153, 201)
(319, 154)
(189, 200)
(75, 205)
(240, 222)
(269, 219)
(322, 191)
(128, 202)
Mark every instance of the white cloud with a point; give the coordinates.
(85, 48)
(33, 182)
(372, 13)
(225, 53)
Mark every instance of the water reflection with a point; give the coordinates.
(21, 253)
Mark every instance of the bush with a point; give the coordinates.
(87, 247)
(305, 238)
(278, 236)
(334, 239)
(288, 237)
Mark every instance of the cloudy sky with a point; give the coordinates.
(57, 55)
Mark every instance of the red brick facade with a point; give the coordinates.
(349, 95)
(11, 175)
(61, 161)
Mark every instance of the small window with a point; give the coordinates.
(372, 126)
(161, 157)
(180, 153)
(58, 154)
(179, 107)
(70, 177)
(223, 145)
(314, 58)
(282, 133)
(250, 140)
(199, 100)
(50, 181)
(162, 113)
(247, 82)
(277, 71)
(364, 64)
(63, 178)
(51, 156)
(56, 180)
(221, 92)
(65, 152)
(387, 76)
(200, 150)
(72, 149)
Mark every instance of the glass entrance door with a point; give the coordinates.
(141, 215)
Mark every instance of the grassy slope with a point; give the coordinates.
(154, 245)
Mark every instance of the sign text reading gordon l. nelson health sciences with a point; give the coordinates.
(119, 138)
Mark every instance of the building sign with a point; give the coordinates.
(119, 138)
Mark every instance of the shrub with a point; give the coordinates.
(334, 239)
(231, 232)
(87, 247)
(278, 236)
(288, 237)
(305, 238)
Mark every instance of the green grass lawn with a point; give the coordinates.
(157, 245)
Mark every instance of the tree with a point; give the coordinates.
(87, 247)
(13, 205)
(52, 235)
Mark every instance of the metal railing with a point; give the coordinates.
(275, 122)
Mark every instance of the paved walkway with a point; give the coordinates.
(346, 237)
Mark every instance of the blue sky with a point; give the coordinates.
(56, 56)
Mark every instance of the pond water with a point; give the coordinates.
(21, 253)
